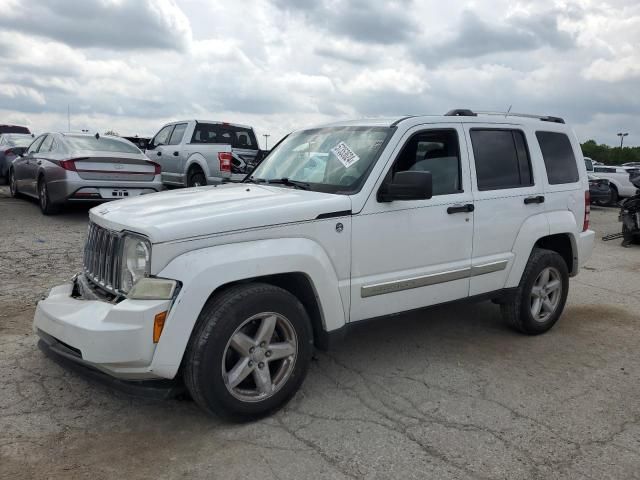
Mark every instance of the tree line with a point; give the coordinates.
(610, 155)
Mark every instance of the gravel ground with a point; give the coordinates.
(445, 394)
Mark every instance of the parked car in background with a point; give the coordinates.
(11, 145)
(618, 178)
(193, 153)
(599, 189)
(141, 142)
(13, 129)
(228, 289)
(631, 164)
(65, 167)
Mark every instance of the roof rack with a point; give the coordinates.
(469, 113)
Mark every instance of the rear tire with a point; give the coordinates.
(259, 370)
(46, 207)
(196, 178)
(541, 295)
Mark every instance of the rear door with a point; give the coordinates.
(507, 191)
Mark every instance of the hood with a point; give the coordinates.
(192, 212)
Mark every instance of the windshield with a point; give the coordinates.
(101, 144)
(333, 159)
(19, 140)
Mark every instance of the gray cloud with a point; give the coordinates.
(476, 37)
(365, 21)
(122, 25)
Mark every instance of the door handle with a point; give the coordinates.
(159, 154)
(536, 199)
(461, 208)
(175, 154)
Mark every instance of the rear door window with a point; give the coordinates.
(501, 159)
(604, 169)
(558, 157)
(178, 133)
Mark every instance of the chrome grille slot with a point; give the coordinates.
(102, 258)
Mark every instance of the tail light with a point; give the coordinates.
(225, 161)
(68, 165)
(156, 168)
(8, 152)
(587, 211)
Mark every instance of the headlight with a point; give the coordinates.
(136, 261)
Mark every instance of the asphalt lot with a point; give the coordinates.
(446, 393)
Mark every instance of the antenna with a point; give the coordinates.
(508, 110)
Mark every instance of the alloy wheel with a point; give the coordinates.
(546, 294)
(259, 357)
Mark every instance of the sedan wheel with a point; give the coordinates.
(13, 186)
(46, 207)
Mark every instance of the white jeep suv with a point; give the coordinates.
(229, 288)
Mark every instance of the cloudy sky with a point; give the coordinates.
(279, 65)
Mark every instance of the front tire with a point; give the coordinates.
(250, 351)
(13, 185)
(541, 295)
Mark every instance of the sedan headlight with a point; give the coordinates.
(136, 261)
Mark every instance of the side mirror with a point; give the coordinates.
(407, 185)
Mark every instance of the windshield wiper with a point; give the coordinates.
(290, 183)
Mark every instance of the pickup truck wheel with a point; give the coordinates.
(196, 178)
(249, 352)
(540, 298)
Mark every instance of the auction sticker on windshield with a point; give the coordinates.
(346, 156)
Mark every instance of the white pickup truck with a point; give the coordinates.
(621, 186)
(228, 288)
(193, 153)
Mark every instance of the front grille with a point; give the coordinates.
(102, 258)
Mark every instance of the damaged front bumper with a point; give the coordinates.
(113, 337)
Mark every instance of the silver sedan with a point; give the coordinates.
(68, 167)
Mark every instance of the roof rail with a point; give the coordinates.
(470, 113)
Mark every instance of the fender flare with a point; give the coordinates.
(198, 159)
(204, 271)
(532, 230)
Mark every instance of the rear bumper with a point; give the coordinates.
(62, 190)
(115, 338)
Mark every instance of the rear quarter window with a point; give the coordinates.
(558, 156)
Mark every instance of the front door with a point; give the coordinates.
(25, 168)
(159, 152)
(412, 254)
